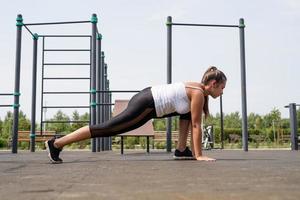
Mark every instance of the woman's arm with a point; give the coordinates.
(197, 102)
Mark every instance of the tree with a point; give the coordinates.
(1, 125)
(159, 124)
(254, 121)
(273, 117)
(7, 125)
(60, 127)
(6, 130)
(24, 123)
(232, 120)
(77, 117)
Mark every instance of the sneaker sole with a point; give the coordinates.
(183, 158)
(49, 155)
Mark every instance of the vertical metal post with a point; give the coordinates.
(109, 111)
(293, 125)
(222, 122)
(105, 101)
(43, 125)
(102, 97)
(94, 21)
(169, 78)
(33, 95)
(17, 84)
(243, 85)
(98, 80)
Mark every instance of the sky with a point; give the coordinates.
(134, 42)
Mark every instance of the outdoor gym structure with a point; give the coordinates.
(241, 27)
(100, 94)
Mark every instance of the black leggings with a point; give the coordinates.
(140, 109)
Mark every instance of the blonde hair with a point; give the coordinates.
(212, 73)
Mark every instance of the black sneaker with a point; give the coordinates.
(53, 152)
(184, 155)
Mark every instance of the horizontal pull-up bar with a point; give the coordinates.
(65, 122)
(67, 64)
(6, 94)
(67, 78)
(211, 25)
(117, 91)
(65, 36)
(67, 50)
(46, 107)
(66, 92)
(95, 91)
(292, 104)
(55, 23)
(6, 106)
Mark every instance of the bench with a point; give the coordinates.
(160, 136)
(144, 131)
(24, 136)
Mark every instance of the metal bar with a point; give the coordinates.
(101, 91)
(98, 87)
(3, 106)
(222, 122)
(169, 80)
(243, 86)
(29, 30)
(109, 113)
(56, 23)
(67, 50)
(105, 100)
(118, 91)
(93, 75)
(65, 36)
(66, 63)
(65, 122)
(122, 145)
(17, 84)
(293, 125)
(65, 107)
(148, 141)
(66, 78)
(102, 97)
(42, 84)
(210, 25)
(33, 96)
(66, 92)
(6, 94)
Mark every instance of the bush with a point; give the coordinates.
(160, 145)
(3, 143)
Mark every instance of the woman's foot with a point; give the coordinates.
(53, 152)
(183, 155)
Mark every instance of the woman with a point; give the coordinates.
(189, 100)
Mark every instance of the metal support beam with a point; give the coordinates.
(293, 125)
(169, 79)
(243, 85)
(33, 95)
(17, 85)
(93, 77)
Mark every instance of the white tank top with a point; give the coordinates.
(170, 98)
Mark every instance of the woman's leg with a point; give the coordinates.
(184, 127)
(140, 110)
(78, 135)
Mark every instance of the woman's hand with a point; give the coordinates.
(205, 158)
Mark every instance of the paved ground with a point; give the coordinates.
(84, 175)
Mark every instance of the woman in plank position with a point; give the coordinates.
(189, 100)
